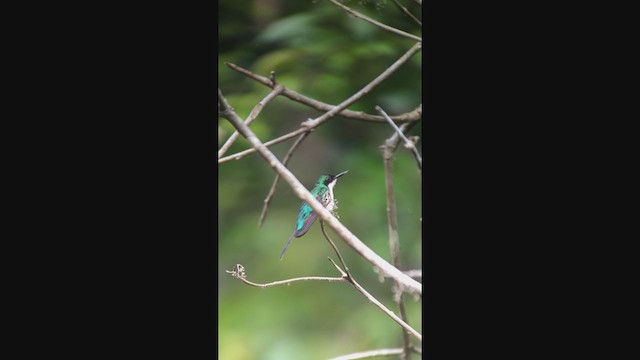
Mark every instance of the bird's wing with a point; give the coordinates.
(307, 224)
(303, 226)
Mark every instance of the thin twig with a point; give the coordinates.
(413, 115)
(392, 142)
(408, 142)
(369, 354)
(335, 248)
(310, 124)
(289, 281)
(272, 190)
(387, 311)
(393, 125)
(374, 22)
(364, 292)
(344, 274)
(375, 353)
(404, 10)
(239, 273)
(301, 191)
(277, 90)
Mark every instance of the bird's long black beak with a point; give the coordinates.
(342, 173)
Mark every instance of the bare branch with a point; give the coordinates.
(272, 190)
(239, 273)
(277, 90)
(311, 124)
(392, 142)
(414, 115)
(394, 243)
(225, 110)
(335, 248)
(392, 216)
(404, 10)
(369, 354)
(375, 353)
(290, 281)
(344, 274)
(387, 311)
(376, 23)
(370, 297)
(408, 143)
(408, 283)
(414, 273)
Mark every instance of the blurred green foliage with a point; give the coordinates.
(320, 51)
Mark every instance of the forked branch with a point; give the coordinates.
(311, 124)
(387, 269)
(277, 90)
(408, 143)
(364, 292)
(413, 115)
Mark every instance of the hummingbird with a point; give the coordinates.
(323, 192)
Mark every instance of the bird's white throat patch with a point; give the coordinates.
(332, 200)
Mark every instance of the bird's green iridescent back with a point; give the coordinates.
(306, 215)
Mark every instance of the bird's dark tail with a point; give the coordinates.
(286, 246)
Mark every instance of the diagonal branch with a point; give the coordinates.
(311, 124)
(272, 190)
(393, 141)
(344, 274)
(335, 248)
(277, 90)
(414, 115)
(387, 269)
(408, 143)
(366, 294)
(376, 23)
(406, 326)
(409, 14)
